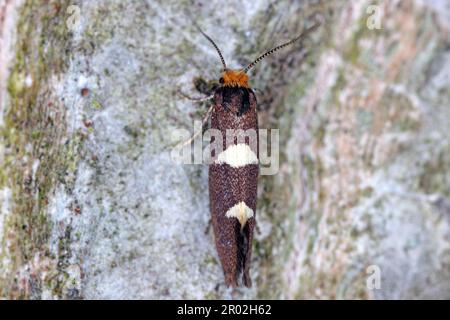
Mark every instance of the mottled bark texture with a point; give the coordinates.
(93, 207)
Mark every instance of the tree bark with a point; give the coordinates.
(93, 207)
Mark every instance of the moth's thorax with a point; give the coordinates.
(234, 103)
(234, 78)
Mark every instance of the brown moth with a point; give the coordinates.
(233, 174)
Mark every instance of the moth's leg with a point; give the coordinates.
(208, 226)
(196, 134)
(197, 99)
(204, 87)
(257, 90)
(257, 229)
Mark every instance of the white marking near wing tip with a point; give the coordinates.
(237, 155)
(240, 211)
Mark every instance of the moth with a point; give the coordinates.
(233, 173)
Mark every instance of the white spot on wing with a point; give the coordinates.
(237, 156)
(240, 211)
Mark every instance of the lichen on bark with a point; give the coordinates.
(35, 156)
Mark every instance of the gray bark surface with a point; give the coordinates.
(93, 207)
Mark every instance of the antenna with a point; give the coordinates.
(215, 46)
(300, 37)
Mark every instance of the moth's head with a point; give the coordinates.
(234, 78)
(239, 78)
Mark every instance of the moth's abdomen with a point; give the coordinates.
(233, 182)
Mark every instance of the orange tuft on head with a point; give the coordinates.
(234, 78)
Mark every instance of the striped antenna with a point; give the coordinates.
(300, 37)
(215, 46)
